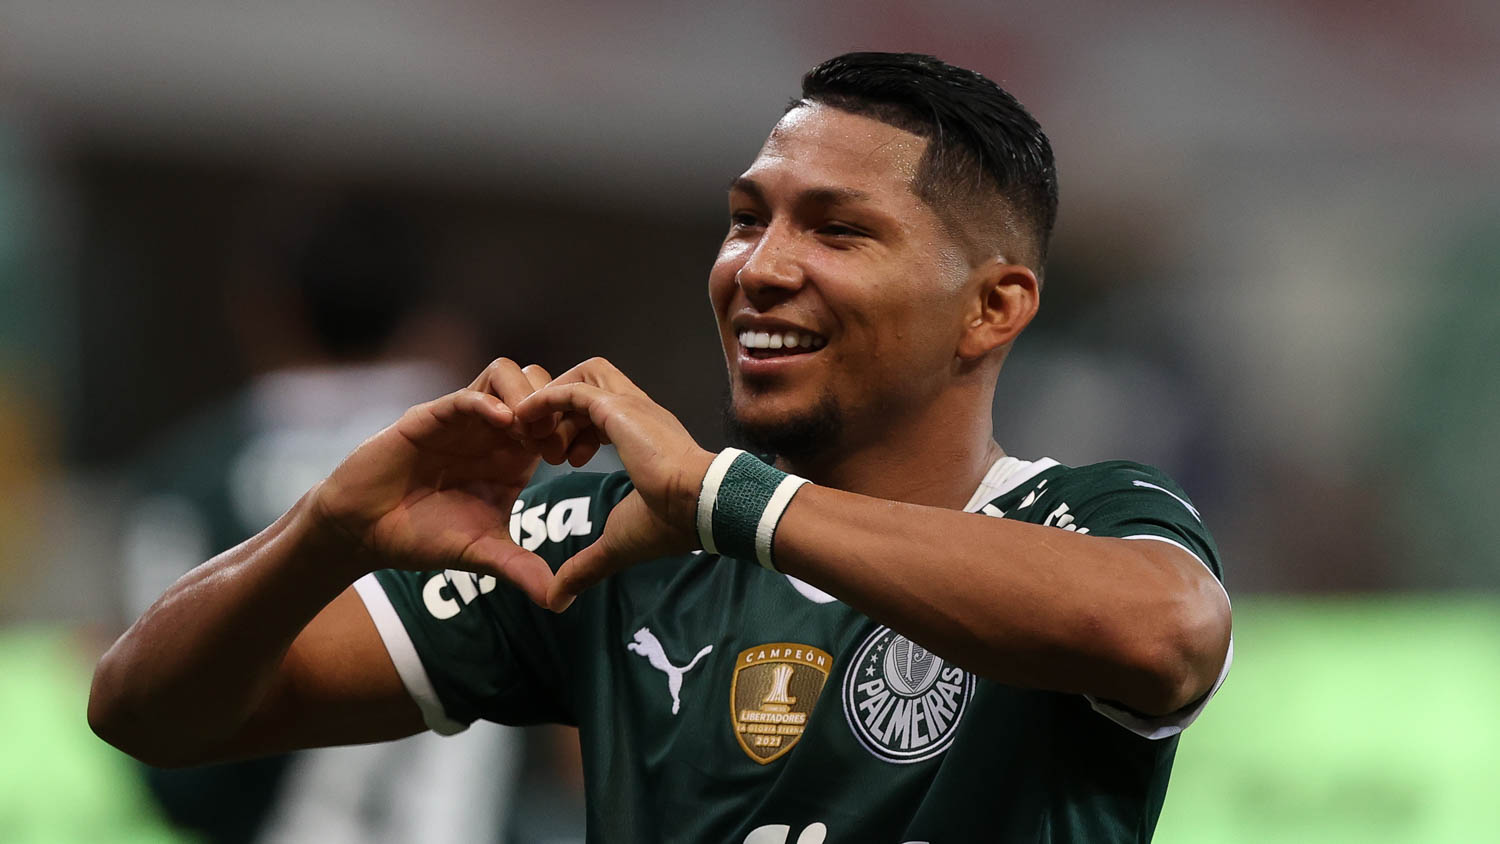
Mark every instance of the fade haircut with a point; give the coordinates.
(982, 144)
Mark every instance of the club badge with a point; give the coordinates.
(902, 701)
(772, 695)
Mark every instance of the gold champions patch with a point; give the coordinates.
(772, 695)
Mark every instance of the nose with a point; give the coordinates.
(773, 270)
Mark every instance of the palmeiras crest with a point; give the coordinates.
(902, 701)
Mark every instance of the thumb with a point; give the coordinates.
(632, 534)
(581, 571)
(513, 564)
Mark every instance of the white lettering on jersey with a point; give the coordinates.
(1063, 519)
(1030, 498)
(570, 517)
(647, 645)
(780, 833)
(438, 591)
(530, 527)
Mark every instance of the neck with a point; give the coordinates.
(937, 460)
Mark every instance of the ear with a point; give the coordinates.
(1004, 303)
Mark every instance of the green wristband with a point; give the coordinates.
(748, 500)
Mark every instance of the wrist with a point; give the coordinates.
(684, 503)
(327, 542)
(740, 505)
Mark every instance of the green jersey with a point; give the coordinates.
(718, 701)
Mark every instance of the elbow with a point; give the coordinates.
(114, 720)
(119, 730)
(1178, 661)
(106, 709)
(109, 714)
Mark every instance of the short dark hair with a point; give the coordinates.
(980, 139)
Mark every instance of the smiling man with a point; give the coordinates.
(885, 630)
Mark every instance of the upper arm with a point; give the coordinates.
(1147, 511)
(336, 685)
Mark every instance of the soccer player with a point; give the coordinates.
(886, 630)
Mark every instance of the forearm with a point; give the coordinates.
(194, 667)
(1019, 603)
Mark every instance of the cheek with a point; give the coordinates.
(721, 275)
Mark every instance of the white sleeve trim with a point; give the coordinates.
(1163, 726)
(1190, 553)
(404, 655)
(1166, 726)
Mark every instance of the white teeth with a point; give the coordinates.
(779, 340)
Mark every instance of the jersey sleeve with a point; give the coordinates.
(469, 647)
(1128, 500)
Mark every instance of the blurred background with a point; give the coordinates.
(237, 238)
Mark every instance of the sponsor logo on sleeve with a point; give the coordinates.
(447, 593)
(902, 701)
(772, 694)
(444, 591)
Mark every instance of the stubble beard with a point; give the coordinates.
(797, 437)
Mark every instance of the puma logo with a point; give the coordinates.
(647, 645)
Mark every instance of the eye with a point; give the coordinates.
(743, 220)
(840, 230)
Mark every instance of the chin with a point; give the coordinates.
(754, 424)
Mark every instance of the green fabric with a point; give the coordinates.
(940, 755)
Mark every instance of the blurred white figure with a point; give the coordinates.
(350, 290)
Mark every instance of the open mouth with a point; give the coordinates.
(775, 344)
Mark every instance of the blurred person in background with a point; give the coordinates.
(883, 254)
(335, 319)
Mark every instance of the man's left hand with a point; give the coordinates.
(657, 519)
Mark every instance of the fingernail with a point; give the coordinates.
(568, 602)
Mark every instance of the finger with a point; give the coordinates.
(505, 378)
(487, 376)
(600, 373)
(537, 378)
(582, 571)
(514, 564)
(631, 535)
(464, 404)
(537, 375)
(551, 439)
(562, 398)
(583, 448)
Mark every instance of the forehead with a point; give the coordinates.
(816, 145)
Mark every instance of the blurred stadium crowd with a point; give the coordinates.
(236, 239)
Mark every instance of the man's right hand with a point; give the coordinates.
(435, 489)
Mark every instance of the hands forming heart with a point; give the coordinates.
(435, 489)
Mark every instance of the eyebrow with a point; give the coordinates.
(816, 196)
